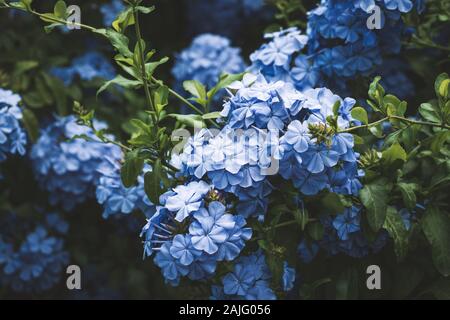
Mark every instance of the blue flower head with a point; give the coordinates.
(115, 197)
(35, 263)
(89, 66)
(12, 135)
(193, 246)
(68, 168)
(208, 57)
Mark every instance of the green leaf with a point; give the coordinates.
(131, 169)
(396, 228)
(120, 81)
(161, 98)
(393, 153)
(211, 115)
(124, 20)
(145, 10)
(195, 88)
(31, 124)
(60, 9)
(408, 194)
(374, 196)
(315, 230)
(439, 140)
(224, 81)
(360, 114)
(190, 120)
(332, 202)
(430, 112)
(120, 42)
(441, 82)
(150, 67)
(376, 91)
(24, 66)
(58, 90)
(436, 227)
(152, 182)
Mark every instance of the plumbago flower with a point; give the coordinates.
(208, 57)
(250, 280)
(68, 168)
(12, 135)
(338, 44)
(115, 197)
(87, 67)
(190, 234)
(35, 263)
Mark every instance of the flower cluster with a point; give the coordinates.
(12, 136)
(68, 168)
(115, 197)
(250, 280)
(340, 46)
(206, 59)
(191, 234)
(89, 66)
(36, 263)
(111, 10)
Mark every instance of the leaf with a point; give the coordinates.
(124, 20)
(429, 112)
(145, 10)
(152, 182)
(131, 169)
(360, 114)
(224, 81)
(120, 42)
(436, 227)
(393, 153)
(211, 115)
(60, 9)
(120, 81)
(190, 120)
(408, 194)
(332, 202)
(150, 67)
(396, 228)
(374, 197)
(24, 66)
(58, 91)
(195, 88)
(439, 84)
(161, 98)
(439, 140)
(31, 124)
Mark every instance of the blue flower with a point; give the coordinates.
(187, 199)
(68, 169)
(288, 278)
(307, 252)
(210, 228)
(249, 280)
(12, 135)
(115, 197)
(171, 268)
(88, 66)
(36, 263)
(208, 57)
(347, 222)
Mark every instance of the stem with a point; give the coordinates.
(184, 100)
(410, 121)
(365, 125)
(281, 225)
(148, 96)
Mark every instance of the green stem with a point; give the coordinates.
(410, 121)
(148, 95)
(281, 225)
(364, 126)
